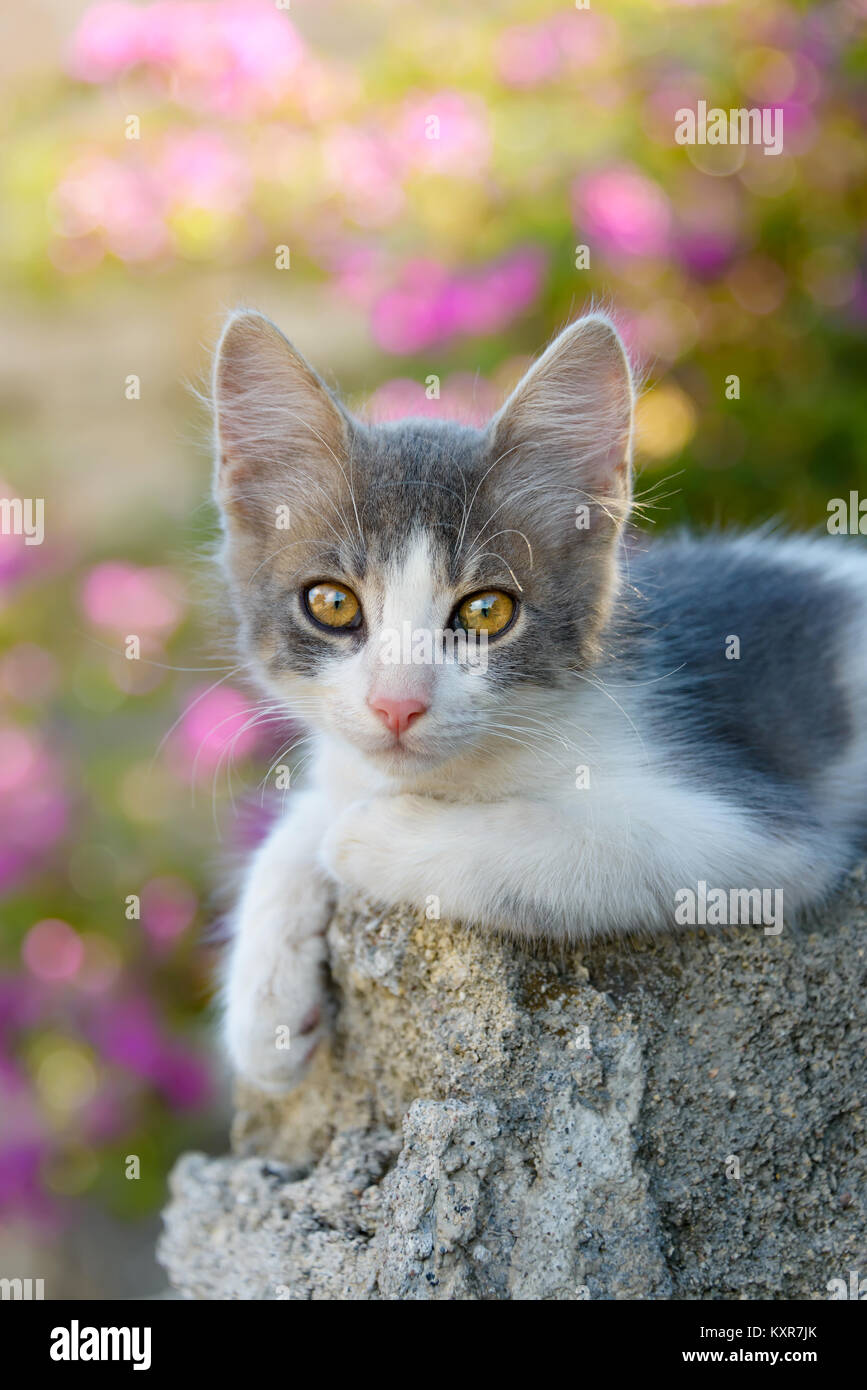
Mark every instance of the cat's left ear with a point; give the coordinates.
(279, 433)
(569, 423)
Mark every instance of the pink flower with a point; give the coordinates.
(52, 950)
(128, 1034)
(623, 211)
(168, 906)
(583, 36)
(216, 724)
(122, 203)
(108, 39)
(132, 600)
(446, 133)
(527, 55)
(531, 54)
(464, 397)
(236, 57)
(798, 124)
(359, 272)
(21, 1192)
(33, 809)
(429, 305)
(708, 225)
(183, 1078)
(201, 169)
(19, 759)
(364, 168)
(18, 559)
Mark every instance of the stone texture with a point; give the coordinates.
(494, 1122)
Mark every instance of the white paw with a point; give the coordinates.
(276, 1009)
(373, 846)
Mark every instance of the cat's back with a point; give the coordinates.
(748, 653)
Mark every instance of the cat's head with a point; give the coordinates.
(346, 543)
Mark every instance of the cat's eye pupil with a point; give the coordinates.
(332, 605)
(490, 612)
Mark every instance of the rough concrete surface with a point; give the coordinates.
(677, 1118)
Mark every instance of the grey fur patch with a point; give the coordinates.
(765, 727)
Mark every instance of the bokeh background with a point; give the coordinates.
(164, 162)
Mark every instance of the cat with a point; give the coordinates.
(648, 717)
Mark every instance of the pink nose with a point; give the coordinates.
(397, 714)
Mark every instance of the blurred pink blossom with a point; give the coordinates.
(798, 124)
(15, 556)
(127, 1033)
(708, 225)
(214, 726)
(18, 560)
(445, 133)
(623, 211)
(527, 55)
(360, 272)
(463, 396)
(121, 202)
(21, 1191)
(168, 906)
(125, 204)
(23, 1000)
(235, 57)
(184, 1078)
(19, 758)
(583, 36)
(131, 599)
(429, 304)
(364, 167)
(33, 808)
(52, 950)
(200, 168)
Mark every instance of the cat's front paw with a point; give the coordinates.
(374, 847)
(276, 1011)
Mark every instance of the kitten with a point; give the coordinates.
(613, 748)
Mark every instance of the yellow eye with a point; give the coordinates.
(332, 605)
(488, 612)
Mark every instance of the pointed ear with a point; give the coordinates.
(276, 425)
(568, 428)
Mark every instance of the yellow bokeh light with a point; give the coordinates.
(66, 1079)
(664, 422)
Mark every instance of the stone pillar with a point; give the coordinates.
(669, 1118)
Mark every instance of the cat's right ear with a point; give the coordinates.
(276, 426)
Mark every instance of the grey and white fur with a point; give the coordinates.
(747, 772)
